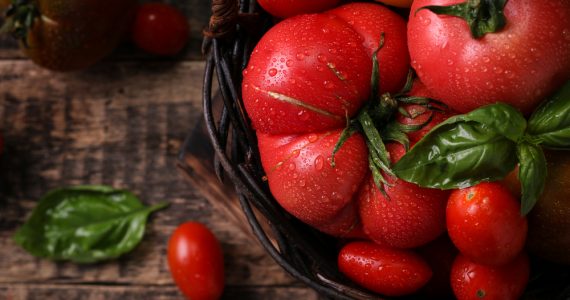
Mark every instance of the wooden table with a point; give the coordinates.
(120, 123)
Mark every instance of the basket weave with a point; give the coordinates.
(308, 255)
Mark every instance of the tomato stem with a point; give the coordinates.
(20, 18)
(483, 16)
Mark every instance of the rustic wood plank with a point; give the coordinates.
(49, 292)
(119, 124)
(197, 12)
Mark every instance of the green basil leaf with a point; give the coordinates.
(458, 155)
(550, 123)
(500, 117)
(532, 174)
(85, 224)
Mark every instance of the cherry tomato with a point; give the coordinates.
(288, 8)
(196, 262)
(387, 271)
(472, 281)
(485, 224)
(520, 64)
(397, 3)
(160, 29)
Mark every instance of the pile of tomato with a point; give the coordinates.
(323, 63)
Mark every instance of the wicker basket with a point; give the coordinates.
(308, 255)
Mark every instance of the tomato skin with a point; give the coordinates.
(470, 281)
(370, 20)
(397, 3)
(288, 8)
(305, 184)
(521, 64)
(196, 262)
(485, 224)
(315, 59)
(160, 29)
(387, 271)
(76, 34)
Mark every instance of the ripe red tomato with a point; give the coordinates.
(288, 8)
(472, 281)
(196, 262)
(413, 215)
(390, 272)
(520, 64)
(160, 29)
(370, 20)
(397, 3)
(485, 224)
(302, 180)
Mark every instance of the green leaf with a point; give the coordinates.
(500, 117)
(85, 224)
(549, 125)
(532, 174)
(457, 155)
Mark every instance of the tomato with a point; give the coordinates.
(521, 64)
(397, 3)
(485, 224)
(77, 34)
(302, 180)
(472, 281)
(306, 75)
(160, 29)
(390, 272)
(440, 255)
(369, 21)
(411, 217)
(196, 262)
(309, 73)
(288, 8)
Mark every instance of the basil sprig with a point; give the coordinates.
(85, 224)
(486, 145)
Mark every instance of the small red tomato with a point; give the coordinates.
(485, 224)
(160, 29)
(387, 271)
(196, 262)
(472, 281)
(288, 8)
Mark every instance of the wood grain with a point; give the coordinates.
(120, 124)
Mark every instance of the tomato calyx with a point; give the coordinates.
(20, 18)
(376, 120)
(483, 16)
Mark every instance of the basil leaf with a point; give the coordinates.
(85, 224)
(458, 155)
(532, 174)
(550, 123)
(500, 117)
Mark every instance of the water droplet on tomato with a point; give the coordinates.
(486, 59)
(300, 56)
(329, 85)
(498, 70)
(450, 62)
(332, 50)
(319, 162)
(289, 63)
(321, 58)
(272, 72)
(292, 166)
(312, 138)
(426, 21)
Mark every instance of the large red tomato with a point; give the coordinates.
(520, 64)
(302, 180)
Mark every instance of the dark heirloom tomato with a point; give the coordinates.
(520, 64)
(302, 180)
(288, 8)
(307, 74)
(485, 224)
(472, 281)
(196, 262)
(390, 272)
(71, 35)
